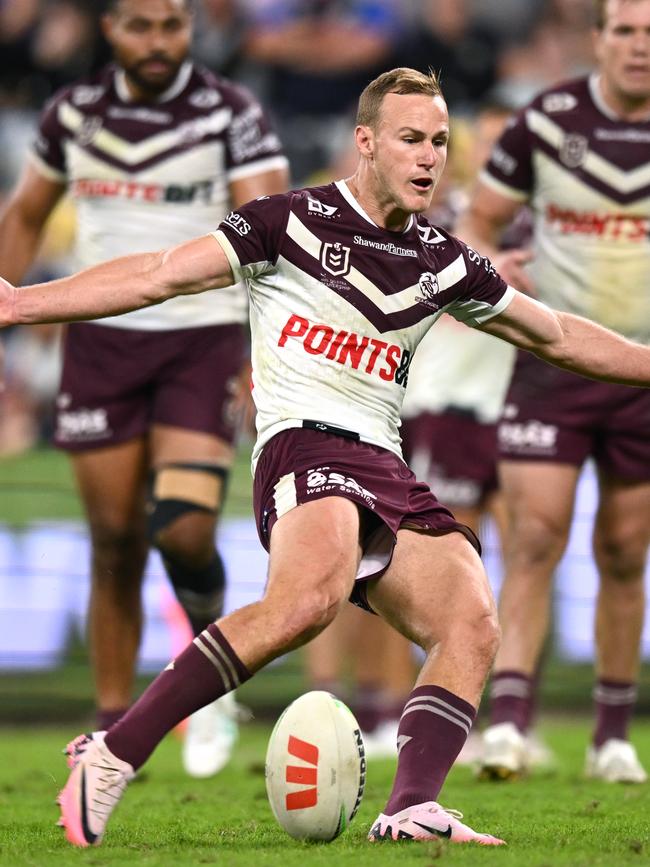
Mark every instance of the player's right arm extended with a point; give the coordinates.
(119, 285)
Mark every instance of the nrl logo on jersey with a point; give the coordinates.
(335, 258)
(429, 287)
(574, 150)
(314, 206)
(430, 235)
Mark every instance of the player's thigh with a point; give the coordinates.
(433, 584)
(174, 444)
(112, 484)
(538, 491)
(315, 553)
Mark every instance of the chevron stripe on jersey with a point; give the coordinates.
(386, 312)
(339, 305)
(586, 175)
(595, 170)
(150, 175)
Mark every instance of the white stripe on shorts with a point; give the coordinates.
(285, 494)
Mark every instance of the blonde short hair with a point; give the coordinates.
(402, 81)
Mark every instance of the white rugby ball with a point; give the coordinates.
(315, 767)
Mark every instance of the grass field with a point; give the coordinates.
(168, 819)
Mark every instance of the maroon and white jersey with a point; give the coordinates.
(338, 306)
(147, 176)
(586, 174)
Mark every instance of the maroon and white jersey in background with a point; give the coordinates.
(586, 173)
(338, 306)
(147, 176)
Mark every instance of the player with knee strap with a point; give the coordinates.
(179, 495)
(152, 149)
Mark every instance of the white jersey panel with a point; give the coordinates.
(459, 367)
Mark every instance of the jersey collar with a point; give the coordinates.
(597, 97)
(177, 86)
(344, 190)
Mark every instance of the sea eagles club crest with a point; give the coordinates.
(574, 150)
(335, 258)
(429, 287)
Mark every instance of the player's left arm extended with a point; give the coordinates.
(119, 285)
(571, 342)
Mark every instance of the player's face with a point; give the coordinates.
(409, 149)
(150, 40)
(623, 50)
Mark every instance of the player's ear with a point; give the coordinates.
(107, 22)
(365, 140)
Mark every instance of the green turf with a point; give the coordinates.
(168, 819)
(39, 484)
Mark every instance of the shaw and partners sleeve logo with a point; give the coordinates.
(335, 258)
(430, 288)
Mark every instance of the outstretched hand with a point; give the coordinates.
(511, 265)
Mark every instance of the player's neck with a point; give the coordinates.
(626, 107)
(382, 210)
(131, 91)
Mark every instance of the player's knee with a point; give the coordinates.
(118, 551)
(477, 630)
(183, 502)
(536, 540)
(621, 556)
(306, 617)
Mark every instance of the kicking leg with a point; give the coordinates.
(315, 553)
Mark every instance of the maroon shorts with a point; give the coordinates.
(560, 417)
(298, 466)
(117, 382)
(454, 453)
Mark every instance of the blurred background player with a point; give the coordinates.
(578, 154)
(153, 149)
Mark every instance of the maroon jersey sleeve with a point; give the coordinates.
(48, 146)
(250, 137)
(482, 294)
(510, 163)
(252, 235)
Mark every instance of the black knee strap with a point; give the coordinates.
(162, 511)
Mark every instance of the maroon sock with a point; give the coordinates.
(108, 718)
(206, 669)
(433, 728)
(614, 702)
(512, 698)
